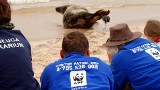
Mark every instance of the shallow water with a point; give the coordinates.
(43, 22)
(87, 3)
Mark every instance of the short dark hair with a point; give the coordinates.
(75, 42)
(5, 12)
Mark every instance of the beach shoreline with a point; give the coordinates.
(43, 28)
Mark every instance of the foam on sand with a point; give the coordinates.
(26, 1)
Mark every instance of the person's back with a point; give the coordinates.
(76, 70)
(134, 61)
(139, 64)
(15, 62)
(15, 55)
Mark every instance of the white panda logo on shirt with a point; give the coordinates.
(154, 53)
(78, 78)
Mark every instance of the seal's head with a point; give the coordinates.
(62, 9)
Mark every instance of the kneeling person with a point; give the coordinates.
(76, 70)
(134, 60)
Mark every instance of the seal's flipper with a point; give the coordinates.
(99, 14)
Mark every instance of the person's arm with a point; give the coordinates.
(111, 79)
(119, 74)
(44, 79)
(119, 81)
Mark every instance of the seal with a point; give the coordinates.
(79, 17)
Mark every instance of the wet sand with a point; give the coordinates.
(44, 29)
(44, 23)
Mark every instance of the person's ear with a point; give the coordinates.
(61, 54)
(110, 57)
(88, 53)
(150, 38)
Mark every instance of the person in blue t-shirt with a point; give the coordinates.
(15, 55)
(76, 70)
(134, 60)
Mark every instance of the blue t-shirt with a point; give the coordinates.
(77, 72)
(137, 62)
(15, 62)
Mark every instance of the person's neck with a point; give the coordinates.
(7, 26)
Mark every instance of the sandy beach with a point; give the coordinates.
(43, 27)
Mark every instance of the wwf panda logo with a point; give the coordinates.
(78, 78)
(154, 53)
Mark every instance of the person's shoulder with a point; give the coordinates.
(120, 58)
(102, 65)
(93, 58)
(53, 64)
(15, 31)
(120, 54)
(10, 30)
(142, 39)
(98, 60)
